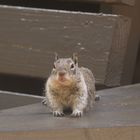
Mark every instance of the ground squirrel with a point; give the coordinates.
(70, 86)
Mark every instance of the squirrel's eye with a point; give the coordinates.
(72, 66)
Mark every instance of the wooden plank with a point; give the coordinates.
(115, 116)
(133, 41)
(120, 133)
(31, 36)
(118, 107)
(12, 99)
(117, 58)
(32, 2)
(128, 2)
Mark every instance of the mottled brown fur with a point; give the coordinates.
(70, 86)
(65, 92)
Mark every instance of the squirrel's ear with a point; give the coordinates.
(75, 58)
(56, 56)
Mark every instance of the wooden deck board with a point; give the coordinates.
(29, 38)
(119, 133)
(118, 107)
(12, 99)
(25, 2)
(128, 2)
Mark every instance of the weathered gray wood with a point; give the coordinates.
(115, 116)
(134, 39)
(29, 38)
(128, 2)
(117, 57)
(122, 2)
(117, 107)
(10, 99)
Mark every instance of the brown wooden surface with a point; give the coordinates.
(123, 2)
(117, 56)
(118, 107)
(115, 117)
(134, 39)
(119, 133)
(12, 99)
(29, 38)
(128, 2)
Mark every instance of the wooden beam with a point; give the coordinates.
(115, 116)
(120, 133)
(13, 99)
(29, 38)
(122, 2)
(126, 2)
(133, 41)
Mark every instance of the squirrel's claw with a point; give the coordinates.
(77, 113)
(44, 101)
(58, 114)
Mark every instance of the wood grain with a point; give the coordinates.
(115, 117)
(128, 2)
(133, 41)
(120, 133)
(32, 2)
(12, 99)
(29, 38)
(117, 59)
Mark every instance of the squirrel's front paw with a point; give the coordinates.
(77, 113)
(58, 114)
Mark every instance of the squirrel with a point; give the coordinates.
(70, 86)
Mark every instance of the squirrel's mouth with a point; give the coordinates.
(63, 81)
(62, 78)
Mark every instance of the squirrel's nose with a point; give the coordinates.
(61, 74)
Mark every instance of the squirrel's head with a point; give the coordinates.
(65, 68)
